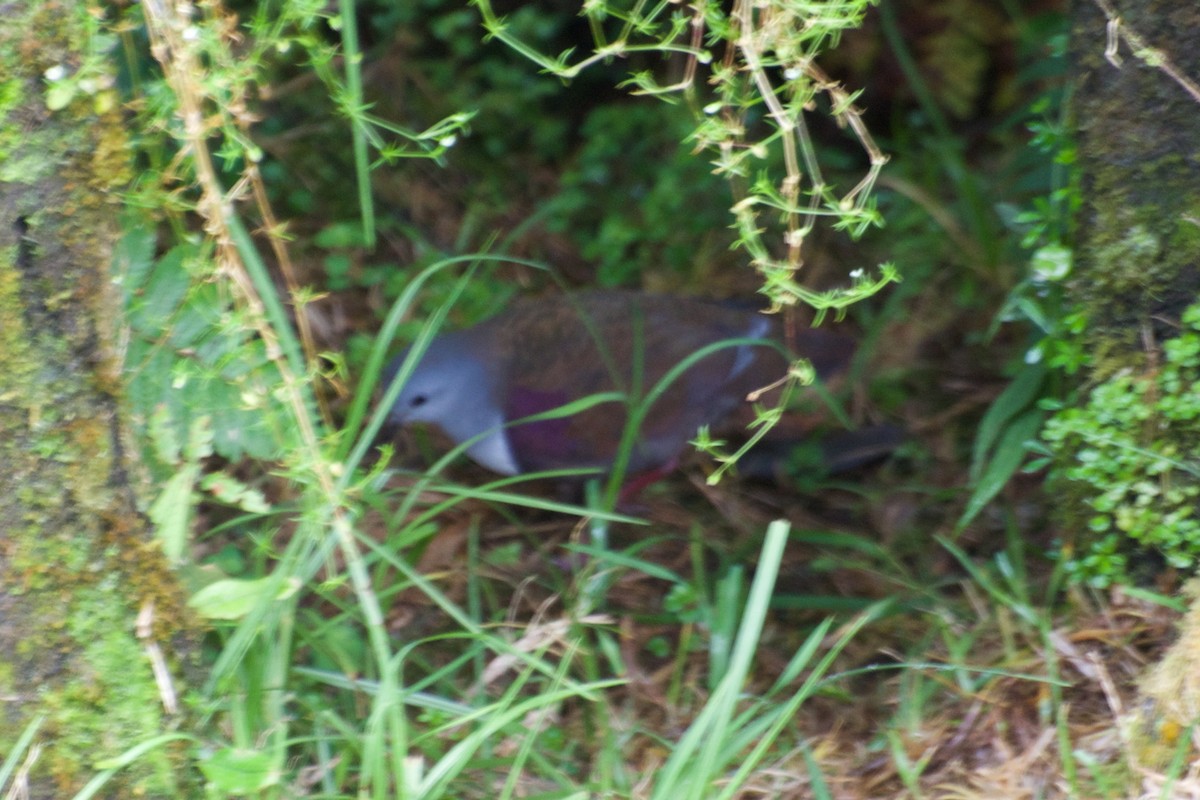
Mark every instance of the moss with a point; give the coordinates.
(1125, 254)
(1174, 686)
(1185, 236)
(13, 337)
(76, 569)
(100, 707)
(1137, 223)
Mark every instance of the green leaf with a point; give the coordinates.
(1010, 452)
(192, 355)
(1017, 397)
(235, 771)
(233, 598)
(59, 94)
(172, 511)
(229, 490)
(133, 257)
(1052, 262)
(163, 291)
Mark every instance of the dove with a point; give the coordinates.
(480, 384)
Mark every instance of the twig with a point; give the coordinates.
(1152, 56)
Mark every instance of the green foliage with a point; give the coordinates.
(190, 355)
(1001, 443)
(504, 95)
(748, 111)
(1127, 451)
(1047, 230)
(1119, 453)
(1046, 227)
(308, 678)
(632, 197)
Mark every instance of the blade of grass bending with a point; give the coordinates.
(375, 361)
(14, 756)
(816, 678)
(700, 745)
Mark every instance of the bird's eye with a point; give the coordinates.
(418, 401)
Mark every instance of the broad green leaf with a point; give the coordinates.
(1017, 397)
(233, 598)
(1010, 452)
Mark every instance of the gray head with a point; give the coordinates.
(446, 383)
(454, 386)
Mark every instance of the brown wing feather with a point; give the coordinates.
(565, 348)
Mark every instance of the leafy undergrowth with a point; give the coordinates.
(968, 676)
(388, 633)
